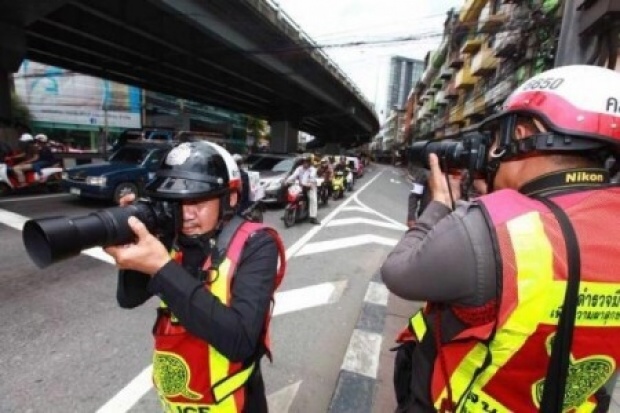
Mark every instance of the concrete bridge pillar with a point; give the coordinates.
(284, 137)
(12, 52)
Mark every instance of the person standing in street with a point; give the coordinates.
(306, 173)
(521, 285)
(216, 280)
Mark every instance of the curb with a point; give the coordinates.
(356, 385)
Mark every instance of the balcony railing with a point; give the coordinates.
(471, 10)
(451, 92)
(506, 43)
(501, 91)
(446, 73)
(464, 79)
(471, 45)
(440, 99)
(483, 63)
(492, 23)
(456, 60)
(456, 115)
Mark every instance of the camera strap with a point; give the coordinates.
(577, 178)
(552, 400)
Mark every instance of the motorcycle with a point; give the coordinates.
(338, 185)
(254, 213)
(322, 191)
(49, 179)
(297, 205)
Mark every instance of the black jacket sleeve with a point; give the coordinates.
(234, 331)
(131, 290)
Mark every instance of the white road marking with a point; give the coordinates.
(293, 249)
(33, 198)
(12, 219)
(346, 242)
(377, 294)
(362, 355)
(281, 400)
(366, 221)
(129, 395)
(379, 214)
(307, 297)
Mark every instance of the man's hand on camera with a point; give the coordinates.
(127, 199)
(438, 185)
(146, 255)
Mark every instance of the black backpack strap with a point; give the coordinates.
(223, 241)
(557, 370)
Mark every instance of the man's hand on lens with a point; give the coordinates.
(438, 185)
(146, 255)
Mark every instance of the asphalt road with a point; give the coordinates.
(67, 347)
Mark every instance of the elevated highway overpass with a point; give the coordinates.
(242, 55)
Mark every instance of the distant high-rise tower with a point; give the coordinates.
(404, 73)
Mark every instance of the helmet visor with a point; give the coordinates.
(175, 188)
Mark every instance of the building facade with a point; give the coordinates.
(404, 74)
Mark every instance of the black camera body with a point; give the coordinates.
(469, 152)
(52, 239)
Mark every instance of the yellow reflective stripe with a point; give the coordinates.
(534, 266)
(219, 364)
(587, 407)
(232, 383)
(418, 324)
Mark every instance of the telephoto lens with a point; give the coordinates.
(52, 239)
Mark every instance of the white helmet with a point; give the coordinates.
(237, 158)
(26, 137)
(41, 137)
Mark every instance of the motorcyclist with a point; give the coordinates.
(216, 281)
(46, 156)
(245, 202)
(306, 174)
(326, 172)
(30, 156)
(344, 167)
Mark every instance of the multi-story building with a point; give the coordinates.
(489, 47)
(404, 73)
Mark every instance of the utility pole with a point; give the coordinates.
(571, 47)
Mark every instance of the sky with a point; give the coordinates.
(338, 22)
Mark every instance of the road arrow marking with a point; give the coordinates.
(307, 297)
(347, 242)
(281, 400)
(356, 221)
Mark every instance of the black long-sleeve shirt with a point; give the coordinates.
(235, 331)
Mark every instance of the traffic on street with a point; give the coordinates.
(69, 347)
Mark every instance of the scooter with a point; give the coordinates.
(254, 213)
(296, 209)
(338, 185)
(322, 191)
(49, 179)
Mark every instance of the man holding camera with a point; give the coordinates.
(521, 285)
(216, 281)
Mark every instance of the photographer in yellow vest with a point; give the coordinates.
(521, 286)
(216, 280)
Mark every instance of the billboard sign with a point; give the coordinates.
(61, 96)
